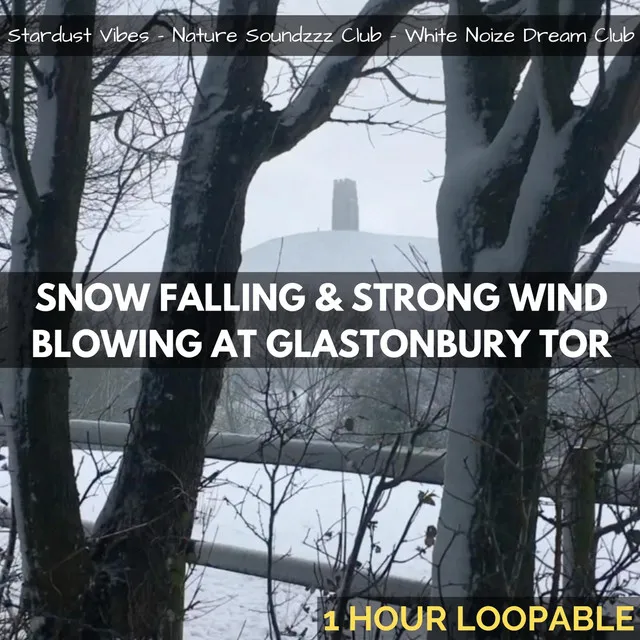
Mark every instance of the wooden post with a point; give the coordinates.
(579, 512)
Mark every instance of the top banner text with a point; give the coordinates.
(168, 34)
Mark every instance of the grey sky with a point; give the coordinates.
(394, 169)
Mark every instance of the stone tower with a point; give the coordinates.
(345, 206)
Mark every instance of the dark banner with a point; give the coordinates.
(490, 618)
(172, 34)
(320, 320)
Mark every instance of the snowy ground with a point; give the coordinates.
(228, 605)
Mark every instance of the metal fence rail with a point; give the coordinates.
(619, 486)
(312, 574)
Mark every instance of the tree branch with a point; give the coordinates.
(387, 73)
(612, 220)
(554, 95)
(555, 73)
(327, 83)
(613, 113)
(18, 140)
(621, 204)
(128, 49)
(5, 137)
(481, 87)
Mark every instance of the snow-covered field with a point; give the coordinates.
(236, 512)
(358, 252)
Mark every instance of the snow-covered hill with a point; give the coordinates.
(340, 251)
(356, 251)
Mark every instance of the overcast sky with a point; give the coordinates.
(396, 171)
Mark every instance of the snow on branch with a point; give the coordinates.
(479, 90)
(327, 83)
(554, 93)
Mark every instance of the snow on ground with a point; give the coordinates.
(228, 602)
(229, 605)
(341, 251)
(357, 252)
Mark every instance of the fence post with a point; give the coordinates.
(578, 518)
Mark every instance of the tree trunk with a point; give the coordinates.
(55, 561)
(158, 481)
(524, 176)
(141, 536)
(489, 509)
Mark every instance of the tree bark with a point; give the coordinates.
(140, 538)
(524, 176)
(55, 558)
(488, 515)
(142, 533)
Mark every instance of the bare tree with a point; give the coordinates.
(391, 402)
(128, 580)
(524, 177)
